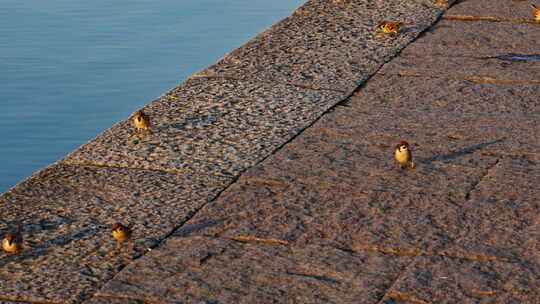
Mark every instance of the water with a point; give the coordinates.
(70, 69)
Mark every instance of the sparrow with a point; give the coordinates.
(390, 27)
(441, 3)
(403, 154)
(141, 121)
(121, 233)
(535, 12)
(13, 242)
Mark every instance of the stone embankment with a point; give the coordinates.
(269, 177)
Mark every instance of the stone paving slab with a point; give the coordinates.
(327, 218)
(216, 127)
(67, 213)
(496, 260)
(451, 280)
(216, 270)
(462, 67)
(329, 44)
(502, 9)
(456, 38)
(446, 124)
(467, 49)
(504, 213)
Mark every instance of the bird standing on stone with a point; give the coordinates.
(535, 13)
(390, 27)
(13, 242)
(121, 233)
(441, 3)
(141, 121)
(403, 154)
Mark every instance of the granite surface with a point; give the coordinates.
(67, 212)
(269, 177)
(328, 44)
(209, 126)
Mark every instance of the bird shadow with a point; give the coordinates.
(186, 231)
(196, 121)
(413, 28)
(27, 253)
(460, 153)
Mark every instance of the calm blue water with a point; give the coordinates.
(70, 69)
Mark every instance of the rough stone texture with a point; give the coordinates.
(444, 125)
(503, 9)
(451, 280)
(327, 218)
(326, 43)
(67, 213)
(462, 49)
(455, 38)
(488, 68)
(503, 232)
(216, 270)
(217, 127)
(461, 227)
(342, 188)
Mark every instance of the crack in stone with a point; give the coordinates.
(480, 178)
(472, 79)
(316, 277)
(294, 84)
(248, 239)
(103, 165)
(266, 182)
(388, 291)
(392, 251)
(299, 182)
(505, 57)
(145, 300)
(29, 300)
(490, 19)
(405, 297)
(484, 293)
(189, 216)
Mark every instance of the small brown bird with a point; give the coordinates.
(441, 3)
(535, 13)
(141, 121)
(403, 154)
(13, 242)
(390, 27)
(121, 233)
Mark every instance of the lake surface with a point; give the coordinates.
(69, 69)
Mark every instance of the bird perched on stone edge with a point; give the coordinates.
(121, 233)
(389, 27)
(141, 121)
(13, 242)
(403, 154)
(535, 12)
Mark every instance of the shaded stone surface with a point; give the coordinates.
(217, 127)
(215, 270)
(496, 260)
(447, 280)
(477, 49)
(327, 218)
(67, 212)
(455, 38)
(330, 44)
(503, 9)
(504, 213)
(447, 119)
(487, 68)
